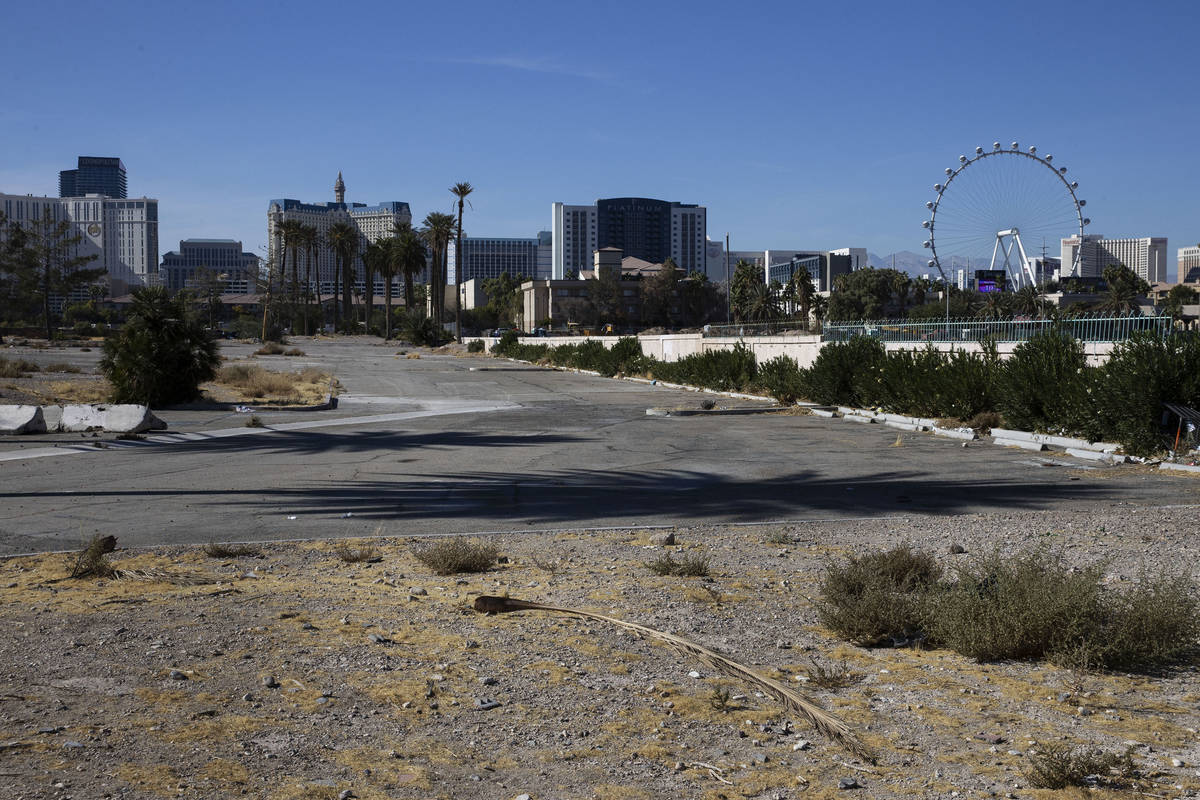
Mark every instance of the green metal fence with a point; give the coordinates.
(1087, 328)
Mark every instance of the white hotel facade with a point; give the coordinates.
(121, 233)
(1146, 256)
(372, 222)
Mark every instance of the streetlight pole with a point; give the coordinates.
(728, 281)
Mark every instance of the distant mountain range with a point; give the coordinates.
(918, 263)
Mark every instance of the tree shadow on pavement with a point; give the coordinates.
(598, 497)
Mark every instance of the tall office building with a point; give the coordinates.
(652, 230)
(372, 222)
(1188, 265)
(94, 175)
(223, 258)
(122, 234)
(1146, 256)
(484, 258)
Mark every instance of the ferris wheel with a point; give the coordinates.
(1002, 202)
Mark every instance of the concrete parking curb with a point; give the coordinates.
(1188, 468)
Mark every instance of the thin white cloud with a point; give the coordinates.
(527, 64)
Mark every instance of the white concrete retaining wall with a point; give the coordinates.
(801, 347)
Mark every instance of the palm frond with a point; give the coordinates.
(818, 717)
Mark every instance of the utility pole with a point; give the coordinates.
(728, 280)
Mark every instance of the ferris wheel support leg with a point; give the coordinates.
(1026, 269)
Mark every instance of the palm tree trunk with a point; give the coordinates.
(458, 268)
(387, 309)
(337, 277)
(308, 294)
(347, 292)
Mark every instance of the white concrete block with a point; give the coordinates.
(16, 420)
(130, 418)
(823, 412)
(858, 418)
(77, 417)
(1179, 467)
(1005, 433)
(904, 426)
(955, 434)
(1024, 444)
(1096, 455)
(53, 416)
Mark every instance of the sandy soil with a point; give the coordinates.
(297, 675)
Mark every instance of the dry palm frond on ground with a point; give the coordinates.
(820, 719)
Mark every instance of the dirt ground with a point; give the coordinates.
(295, 674)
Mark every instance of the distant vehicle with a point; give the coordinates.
(540, 332)
(606, 328)
(500, 331)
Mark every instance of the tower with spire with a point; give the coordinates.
(339, 189)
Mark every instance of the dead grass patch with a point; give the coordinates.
(18, 368)
(251, 382)
(70, 368)
(355, 554)
(1058, 765)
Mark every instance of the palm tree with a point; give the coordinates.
(805, 290)
(342, 238)
(1030, 301)
(292, 231)
(388, 268)
(375, 261)
(407, 255)
(820, 306)
(310, 240)
(438, 229)
(762, 304)
(459, 190)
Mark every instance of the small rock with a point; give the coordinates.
(308, 626)
(322, 700)
(486, 703)
(803, 744)
(470, 644)
(990, 738)
(693, 674)
(417, 591)
(378, 639)
(346, 794)
(662, 539)
(270, 682)
(847, 783)
(488, 681)
(247, 697)
(521, 797)
(176, 675)
(1084, 711)
(957, 549)
(761, 758)
(73, 745)
(1176, 762)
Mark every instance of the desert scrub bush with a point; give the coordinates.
(1033, 605)
(782, 378)
(162, 354)
(1045, 385)
(294, 351)
(1058, 765)
(842, 372)
(18, 368)
(68, 368)
(229, 550)
(831, 676)
(255, 421)
(270, 349)
(692, 565)
(452, 556)
(878, 597)
(92, 561)
(257, 382)
(352, 554)
(1142, 373)
(475, 346)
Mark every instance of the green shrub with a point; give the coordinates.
(846, 373)
(475, 346)
(1142, 373)
(506, 344)
(782, 379)
(930, 383)
(1045, 385)
(626, 356)
(724, 370)
(162, 354)
(452, 556)
(878, 597)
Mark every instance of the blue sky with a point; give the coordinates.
(797, 124)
